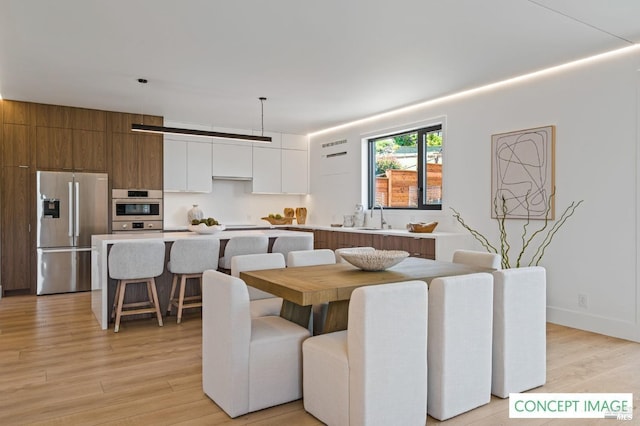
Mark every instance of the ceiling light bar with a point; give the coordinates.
(201, 133)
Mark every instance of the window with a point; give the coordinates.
(405, 169)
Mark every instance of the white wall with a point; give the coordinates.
(594, 107)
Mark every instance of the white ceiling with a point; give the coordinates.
(319, 63)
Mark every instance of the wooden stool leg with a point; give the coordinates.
(154, 293)
(122, 285)
(149, 293)
(172, 294)
(183, 284)
(115, 301)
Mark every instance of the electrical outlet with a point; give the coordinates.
(583, 300)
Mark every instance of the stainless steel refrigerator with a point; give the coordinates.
(71, 207)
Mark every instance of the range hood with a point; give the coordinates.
(241, 178)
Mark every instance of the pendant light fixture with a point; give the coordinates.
(203, 133)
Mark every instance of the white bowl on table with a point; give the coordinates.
(377, 260)
(204, 229)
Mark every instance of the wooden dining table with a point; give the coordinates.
(305, 286)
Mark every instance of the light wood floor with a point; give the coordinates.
(58, 368)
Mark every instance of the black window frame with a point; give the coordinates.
(422, 179)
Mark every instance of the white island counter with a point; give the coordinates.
(100, 288)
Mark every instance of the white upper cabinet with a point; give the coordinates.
(267, 170)
(294, 171)
(232, 160)
(187, 166)
(175, 165)
(281, 169)
(198, 167)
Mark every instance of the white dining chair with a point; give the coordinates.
(313, 258)
(247, 363)
(262, 303)
(519, 330)
(459, 344)
(374, 373)
(478, 258)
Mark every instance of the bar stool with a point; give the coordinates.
(189, 258)
(246, 244)
(286, 243)
(136, 262)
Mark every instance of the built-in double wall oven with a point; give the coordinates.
(136, 210)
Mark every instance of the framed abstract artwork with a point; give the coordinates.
(522, 174)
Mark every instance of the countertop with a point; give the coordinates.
(363, 230)
(376, 231)
(173, 236)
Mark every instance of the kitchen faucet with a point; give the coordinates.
(382, 221)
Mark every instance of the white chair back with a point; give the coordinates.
(338, 252)
(478, 258)
(226, 335)
(311, 257)
(136, 259)
(459, 344)
(287, 243)
(255, 262)
(371, 373)
(247, 363)
(194, 255)
(388, 369)
(262, 303)
(519, 330)
(246, 244)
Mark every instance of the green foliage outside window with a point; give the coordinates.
(386, 163)
(434, 139)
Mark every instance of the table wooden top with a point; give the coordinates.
(309, 285)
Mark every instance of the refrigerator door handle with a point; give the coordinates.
(70, 233)
(77, 212)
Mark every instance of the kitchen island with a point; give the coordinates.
(103, 287)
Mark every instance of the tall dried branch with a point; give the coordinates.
(526, 239)
(477, 235)
(568, 212)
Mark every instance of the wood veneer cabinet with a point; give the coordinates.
(15, 206)
(417, 247)
(136, 158)
(15, 200)
(353, 239)
(54, 149)
(70, 138)
(16, 148)
(89, 150)
(137, 161)
(15, 235)
(16, 112)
